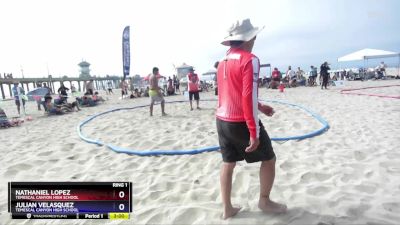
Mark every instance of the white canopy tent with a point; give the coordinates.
(369, 53)
(210, 72)
(209, 75)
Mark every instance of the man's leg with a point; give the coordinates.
(197, 98)
(191, 107)
(267, 176)
(151, 108)
(18, 107)
(23, 105)
(226, 188)
(38, 105)
(163, 108)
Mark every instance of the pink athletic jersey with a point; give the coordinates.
(193, 82)
(237, 76)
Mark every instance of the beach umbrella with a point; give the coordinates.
(37, 94)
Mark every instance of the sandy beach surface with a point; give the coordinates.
(347, 175)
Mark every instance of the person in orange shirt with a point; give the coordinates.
(241, 134)
(193, 88)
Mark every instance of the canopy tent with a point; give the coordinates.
(210, 76)
(210, 72)
(369, 53)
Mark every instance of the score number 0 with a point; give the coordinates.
(121, 206)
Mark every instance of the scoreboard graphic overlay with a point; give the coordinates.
(70, 200)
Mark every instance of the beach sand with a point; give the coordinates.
(347, 175)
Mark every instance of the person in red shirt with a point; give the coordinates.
(241, 134)
(276, 78)
(193, 88)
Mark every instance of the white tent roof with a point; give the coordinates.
(210, 72)
(368, 53)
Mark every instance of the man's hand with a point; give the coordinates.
(266, 109)
(253, 145)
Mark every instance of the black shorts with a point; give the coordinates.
(195, 94)
(234, 138)
(18, 103)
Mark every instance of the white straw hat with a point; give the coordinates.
(241, 31)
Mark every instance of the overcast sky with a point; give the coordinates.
(53, 36)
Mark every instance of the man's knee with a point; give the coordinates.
(229, 165)
(270, 162)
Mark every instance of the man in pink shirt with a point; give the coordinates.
(241, 134)
(193, 88)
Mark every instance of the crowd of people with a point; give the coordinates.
(7, 76)
(168, 87)
(296, 78)
(59, 104)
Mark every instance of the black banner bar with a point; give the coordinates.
(9, 197)
(60, 216)
(72, 185)
(64, 200)
(130, 199)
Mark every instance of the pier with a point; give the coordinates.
(100, 83)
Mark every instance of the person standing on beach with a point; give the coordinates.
(193, 88)
(381, 70)
(176, 84)
(17, 91)
(312, 76)
(155, 92)
(291, 77)
(90, 87)
(48, 88)
(109, 89)
(124, 88)
(324, 74)
(275, 78)
(241, 134)
(62, 91)
(73, 90)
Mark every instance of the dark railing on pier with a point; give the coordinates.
(99, 83)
